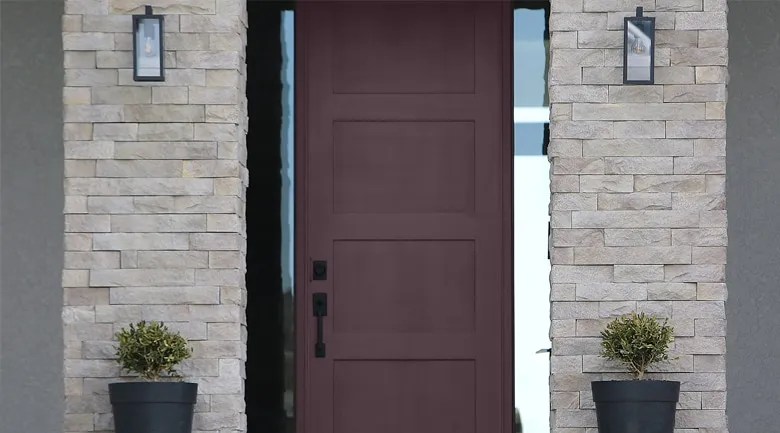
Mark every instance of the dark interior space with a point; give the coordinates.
(268, 306)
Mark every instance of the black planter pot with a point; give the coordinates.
(153, 407)
(635, 406)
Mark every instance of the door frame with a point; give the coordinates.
(301, 254)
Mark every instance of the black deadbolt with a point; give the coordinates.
(320, 270)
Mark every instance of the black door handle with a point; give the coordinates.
(320, 303)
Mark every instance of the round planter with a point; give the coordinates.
(635, 406)
(153, 407)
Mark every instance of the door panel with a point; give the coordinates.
(403, 161)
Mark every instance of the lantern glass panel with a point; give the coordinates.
(148, 48)
(639, 50)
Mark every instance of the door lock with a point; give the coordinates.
(319, 270)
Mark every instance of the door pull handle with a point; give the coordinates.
(320, 303)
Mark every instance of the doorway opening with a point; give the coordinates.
(270, 366)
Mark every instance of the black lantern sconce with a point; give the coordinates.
(148, 48)
(639, 49)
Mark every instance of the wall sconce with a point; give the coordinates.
(148, 48)
(638, 49)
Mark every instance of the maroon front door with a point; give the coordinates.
(404, 192)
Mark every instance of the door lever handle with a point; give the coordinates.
(320, 304)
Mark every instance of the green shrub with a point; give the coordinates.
(636, 341)
(151, 350)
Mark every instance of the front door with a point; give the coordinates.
(404, 167)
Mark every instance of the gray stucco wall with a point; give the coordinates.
(31, 221)
(753, 191)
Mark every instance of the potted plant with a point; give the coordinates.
(636, 341)
(161, 401)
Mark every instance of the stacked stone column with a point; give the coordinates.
(155, 179)
(638, 200)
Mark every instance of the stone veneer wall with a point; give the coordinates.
(638, 200)
(155, 179)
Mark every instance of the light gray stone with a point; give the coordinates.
(166, 150)
(696, 129)
(603, 75)
(694, 93)
(713, 38)
(93, 113)
(699, 57)
(564, 202)
(213, 95)
(634, 219)
(711, 292)
(577, 237)
(676, 38)
(140, 241)
(77, 132)
(115, 132)
(75, 204)
(606, 183)
(644, 255)
(639, 165)
(639, 129)
(138, 186)
(669, 183)
(581, 130)
(671, 292)
(214, 241)
(581, 274)
(170, 95)
(634, 201)
(207, 59)
(164, 295)
(173, 259)
(89, 149)
(577, 57)
(91, 41)
(694, 273)
(218, 132)
(141, 277)
(158, 223)
(90, 77)
(700, 20)
(635, 94)
(159, 112)
(165, 132)
(91, 260)
(610, 291)
(224, 259)
(118, 168)
(679, 5)
(637, 237)
(698, 201)
(211, 168)
(638, 273)
(578, 21)
(636, 111)
(675, 75)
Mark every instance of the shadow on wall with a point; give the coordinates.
(31, 221)
(753, 166)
